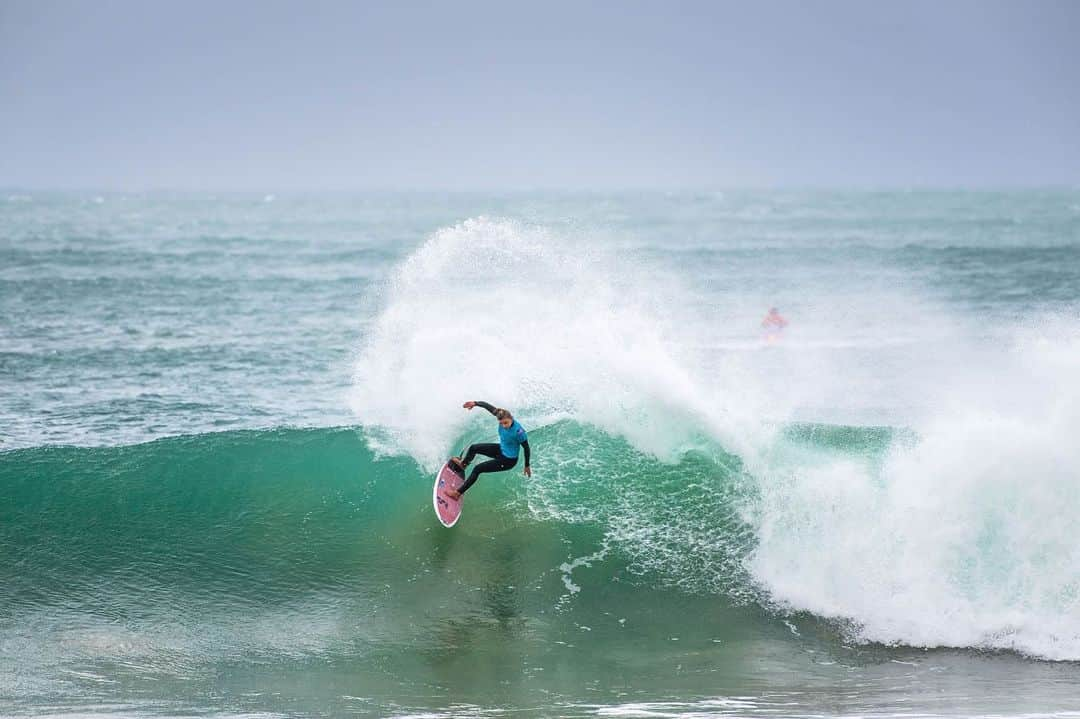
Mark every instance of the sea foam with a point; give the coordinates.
(548, 326)
(964, 536)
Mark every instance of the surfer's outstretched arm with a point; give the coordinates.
(485, 405)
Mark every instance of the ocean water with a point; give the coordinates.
(220, 417)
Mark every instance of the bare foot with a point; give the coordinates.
(453, 494)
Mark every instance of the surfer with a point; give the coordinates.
(504, 454)
(774, 321)
(773, 324)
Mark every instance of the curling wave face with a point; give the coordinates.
(953, 530)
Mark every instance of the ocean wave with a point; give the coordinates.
(955, 531)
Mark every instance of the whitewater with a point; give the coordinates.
(220, 417)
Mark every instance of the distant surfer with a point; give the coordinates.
(504, 454)
(773, 324)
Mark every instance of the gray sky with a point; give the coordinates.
(507, 95)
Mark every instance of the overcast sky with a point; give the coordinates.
(516, 95)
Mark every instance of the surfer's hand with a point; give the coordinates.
(528, 471)
(469, 405)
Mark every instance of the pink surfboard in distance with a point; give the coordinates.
(446, 509)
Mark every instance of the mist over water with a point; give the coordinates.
(255, 392)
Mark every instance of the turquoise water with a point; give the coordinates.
(220, 416)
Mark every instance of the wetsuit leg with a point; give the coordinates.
(489, 449)
(499, 464)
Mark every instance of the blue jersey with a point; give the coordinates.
(511, 439)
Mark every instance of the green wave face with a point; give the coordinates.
(244, 515)
(186, 560)
(269, 516)
(294, 572)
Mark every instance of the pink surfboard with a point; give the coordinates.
(446, 509)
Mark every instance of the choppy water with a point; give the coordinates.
(220, 415)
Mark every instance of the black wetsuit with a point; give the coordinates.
(498, 461)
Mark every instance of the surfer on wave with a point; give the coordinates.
(504, 454)
(773, 325)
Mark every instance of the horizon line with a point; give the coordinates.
(612, 190)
